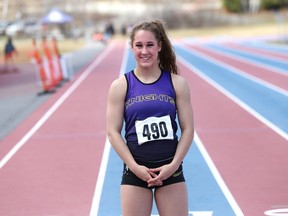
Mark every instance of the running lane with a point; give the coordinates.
(250, 157)
(257, 51)
(54, 168)
(258, 71)
(255, 96)
(272, 47)
(276, 64)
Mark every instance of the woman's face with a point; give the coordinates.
(145, 48)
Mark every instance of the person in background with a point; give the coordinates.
(150, 99)
(9, 52)
(109, 32)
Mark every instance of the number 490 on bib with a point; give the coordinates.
(154, 128)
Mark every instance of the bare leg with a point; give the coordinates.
(136, 201)
(172, 200)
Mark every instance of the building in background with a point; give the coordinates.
(93, 15)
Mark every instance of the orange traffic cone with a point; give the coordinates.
(48, 61)
(56, 60)
(47, 85)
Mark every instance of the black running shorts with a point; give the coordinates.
(129, 178)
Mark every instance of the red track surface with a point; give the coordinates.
(263, 73)
(55, 171)
(251, 158)
(267, 53)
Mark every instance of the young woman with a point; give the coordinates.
(149, 99)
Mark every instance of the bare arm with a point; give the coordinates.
(115, 114)
(185, 116)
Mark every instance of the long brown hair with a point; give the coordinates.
(167, 57)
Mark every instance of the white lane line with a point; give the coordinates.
(100, 179)
(240, 72)
(273, 69)
(244, 106)
(55, 106)
(104, 162)
(217, 176)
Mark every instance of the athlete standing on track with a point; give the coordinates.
(149, 99)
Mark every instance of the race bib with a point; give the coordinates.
(154, 128)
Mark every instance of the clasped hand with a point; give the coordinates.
(154, 176)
